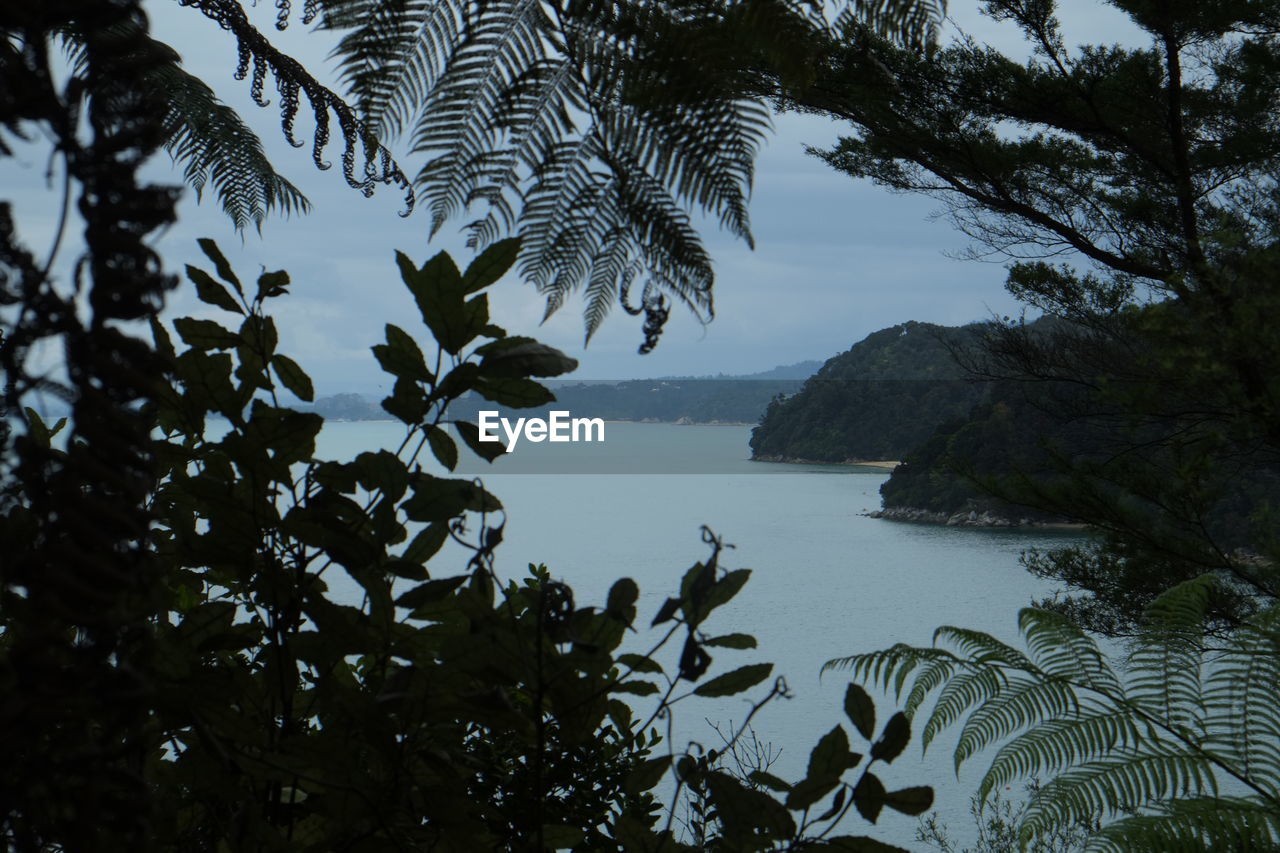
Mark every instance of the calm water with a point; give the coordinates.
(826, 580)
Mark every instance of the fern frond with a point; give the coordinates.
(1059, 743)
(1121, 783)
(595, 131)
(1060, 648)
(217, 149)
(209, 139)
(1143, 748)
(365, 161)
(1194, 825)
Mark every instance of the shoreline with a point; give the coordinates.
(969, 518)
(882, 464)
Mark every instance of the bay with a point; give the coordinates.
(826, 580)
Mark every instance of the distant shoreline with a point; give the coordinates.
(882, 464)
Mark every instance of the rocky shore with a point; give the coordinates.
(964, 518)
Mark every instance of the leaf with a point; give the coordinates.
(636, 686)
(646, 775)
(487, 450)
(860, 710)
(732, 641)
(36, 427)
(519, 357)
(768, 780)
(161, 337)
(640, 663)
(491, 265)
(831, 756)
(442, 446)
(272, 284)
(893, 740)
(429, 591)
(735, 681)
(213, 253)
(622, 599)
(869, 796)
(400, 355)
(426, 543)
(210, 292)
(293, 377)
(667, 611)
(440, 499)
(514, 393)
(828, 760)
(205, 334)
(408, 402)
(438, 290)
(837, 803)
(912, 801)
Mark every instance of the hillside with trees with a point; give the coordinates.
(877, 401)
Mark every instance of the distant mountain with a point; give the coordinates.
(799, 370)
(878, 401)
(720, 399)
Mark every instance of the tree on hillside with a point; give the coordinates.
(1133, 190)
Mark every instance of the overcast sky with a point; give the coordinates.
(836, 259)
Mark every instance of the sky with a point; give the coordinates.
(835, 258)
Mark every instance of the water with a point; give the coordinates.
(827, 581)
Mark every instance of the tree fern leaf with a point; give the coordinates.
(1120, 783)
(1061, 648)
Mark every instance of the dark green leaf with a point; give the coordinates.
(518, 357)
(514, 393)
(272, 284)
(426, 543)
(205, 334)
(668, 610)
(211, 292)
(213, 253)
(648, 774)
(622, 599)
(747, 815)
(428, 591)
(640, 663)
(36, 427)
(732, 641)
(442, 446)
(768, 780)
(293, 377)
(491, 265)
(487, 450)
(912, 801)
(893, 740)
(735, 681)
(861, 710)
(164, 344)
(440, 499)
(827, 761)
(408, 402)
(636, 686)
(831, 756)
(837, 803)
(725, 589)
(869, 796)
(400, 356)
